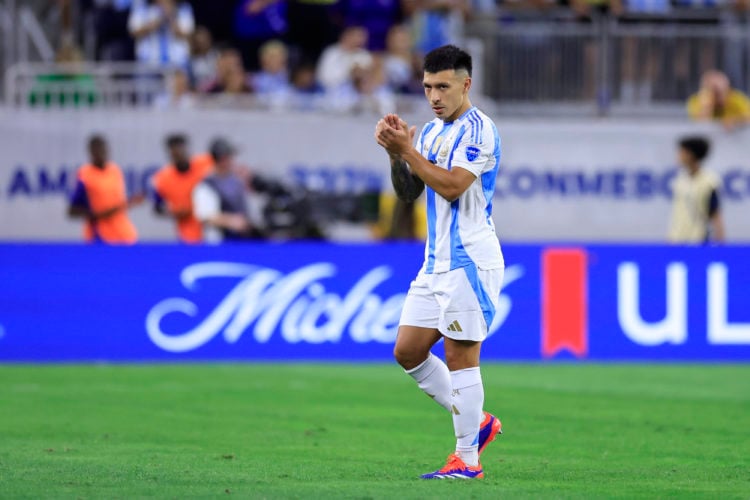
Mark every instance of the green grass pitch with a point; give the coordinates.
(366, 431)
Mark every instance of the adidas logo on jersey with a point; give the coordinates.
(455, 327)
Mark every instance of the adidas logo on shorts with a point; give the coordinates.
(455, 327)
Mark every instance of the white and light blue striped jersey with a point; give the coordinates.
(461, 233)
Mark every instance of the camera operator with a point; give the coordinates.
(220, 203)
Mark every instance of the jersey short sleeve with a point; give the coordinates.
(474, 151)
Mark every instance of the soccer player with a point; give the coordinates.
(455, 294)
(696, 211)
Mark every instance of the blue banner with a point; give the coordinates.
(320, 301)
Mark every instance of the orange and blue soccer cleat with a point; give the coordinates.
(455, 468)
(490, 428)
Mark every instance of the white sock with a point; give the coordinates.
(467, 400)
(434, 379)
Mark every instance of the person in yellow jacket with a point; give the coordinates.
(718, 101)
(696, 209)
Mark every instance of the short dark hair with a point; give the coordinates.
(97, 140)
(174, 140)
(447, 57)
(697, 146)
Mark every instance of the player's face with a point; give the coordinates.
(447, 92)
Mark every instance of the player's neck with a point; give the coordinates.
(466, 106)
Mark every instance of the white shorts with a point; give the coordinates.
(461, 304)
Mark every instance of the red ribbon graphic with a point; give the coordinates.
(564, 301)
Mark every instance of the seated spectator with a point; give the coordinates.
(338, 60)
(228, 68)
(306, 92)
(203, 58)
(696, 211)
(173, 188)
(219, 201)
(401, 65)
(272, 81)
(236, 82)
(161, 29)
(718, 101)
(100, 198)
(367, 92)
(178, 94)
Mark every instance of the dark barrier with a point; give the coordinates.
(317, 301)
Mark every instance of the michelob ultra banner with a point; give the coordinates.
(329, 302)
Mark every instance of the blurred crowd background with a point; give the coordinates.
(681, 60)
(351, 55)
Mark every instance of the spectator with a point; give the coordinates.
(173, 188)
(178, 94)
(339, 60)
(401, 65)
(161, 29)
(254, 28)
(696, 211)
(113, 39)
(203, 57)
(306, 92)
(367, 92)
(219, 201)
(439, 22)
(717, 100)
(377, 18)
(228, 67)
(272, 81)
(640, 58)
(312, 25)
(100, 198)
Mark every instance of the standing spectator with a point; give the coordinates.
(696, 211)
(203, 57)
(219, 201)
(339, 60)
(439, 22)
(113, 40)
(253, 28)
(100, 198)
(312, 25)
(173, 188)
(717, 100)
(161, 29)
(377, 18)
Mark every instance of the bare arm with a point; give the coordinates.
(717, 226)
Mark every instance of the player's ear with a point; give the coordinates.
(467, 84)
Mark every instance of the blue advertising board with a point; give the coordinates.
(330, 302)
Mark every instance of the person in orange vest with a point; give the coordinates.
(100, 198)
(173, 187)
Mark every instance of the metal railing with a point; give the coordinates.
(643, 64)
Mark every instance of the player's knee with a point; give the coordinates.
(408, 357)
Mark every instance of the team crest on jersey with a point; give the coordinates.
(472, 153)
